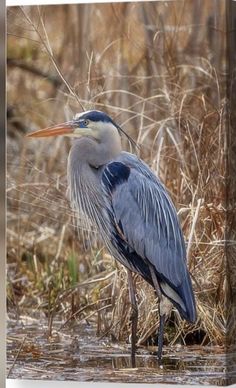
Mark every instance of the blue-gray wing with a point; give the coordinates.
(146, 221)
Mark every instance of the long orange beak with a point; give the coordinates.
(55, 130)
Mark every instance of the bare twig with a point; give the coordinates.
(49, 51)
(12, 62)
(16, 357)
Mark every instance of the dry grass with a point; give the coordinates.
(159, 77)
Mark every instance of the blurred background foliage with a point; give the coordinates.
(158, 68)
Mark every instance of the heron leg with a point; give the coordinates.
(133, 317)
(155, 282)
(160, 338)
(162, 315)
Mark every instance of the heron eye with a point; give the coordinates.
(86, 123)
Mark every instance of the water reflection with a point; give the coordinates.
(77, 354)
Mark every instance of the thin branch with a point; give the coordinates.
(56, 81)
(50, 54)
(17, 355)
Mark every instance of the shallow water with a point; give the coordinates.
(77, 354)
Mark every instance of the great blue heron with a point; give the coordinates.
(132, 211)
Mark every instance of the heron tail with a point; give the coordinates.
(182, 298)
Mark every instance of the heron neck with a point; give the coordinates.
(85, 164)
(87, 151)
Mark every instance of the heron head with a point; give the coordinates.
(93, 123)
